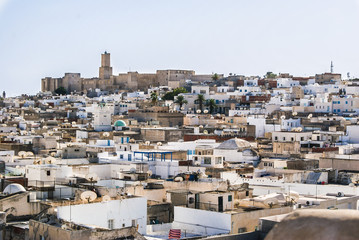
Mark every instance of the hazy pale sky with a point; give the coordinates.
(51, 37)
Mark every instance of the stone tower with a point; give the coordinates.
(105, 69)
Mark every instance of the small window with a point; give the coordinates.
(229, 198)
(48, 173)
(121, 156)
(247, 193)
(242, 230)
(207, 160)
(110, 224)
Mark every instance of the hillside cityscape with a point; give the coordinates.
(178, 155)
(181, 119)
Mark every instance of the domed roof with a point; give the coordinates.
(14, 188)
(234, 143)
(120, 123)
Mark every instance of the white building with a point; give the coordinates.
(289, 124)
(114, 214)
(102, 117)
(199, 89)
(345, 104)
(353, 133)
(286, 83)
(44, 173)
(236, 150)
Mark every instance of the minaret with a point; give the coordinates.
(105, 69)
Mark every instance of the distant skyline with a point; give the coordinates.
(46, 38)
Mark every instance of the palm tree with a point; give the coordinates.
(211, 103)
(215, 77)
(200, 101)
(180, 100)
(154, 98)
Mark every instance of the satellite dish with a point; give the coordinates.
(147, 143)
(205, 111)
(294, 196)
(295, 114)
(22, 154)
(29, 154)
(88, 196)
(205, 132)
(310, 116)
(106, 134)
(159, 144)
(282, 117)
(299, 129)
(270, 202)
(132, 140)
(351, 185)
(50, 160)
(340, 194)
(133, 170)
(91, 177)
(178, 179)
(53, 154)
(149, 173)
(198, 111)
(106, 198)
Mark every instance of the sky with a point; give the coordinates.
(47, 38)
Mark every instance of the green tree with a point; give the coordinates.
(215, 77)
(211, 103)
(61, 91)
(270, 75)
(200, 100)
(180, 100)
(154, 98)
(171, 95)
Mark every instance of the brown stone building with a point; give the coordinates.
(73, 82)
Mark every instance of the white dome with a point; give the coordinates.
(235, 143)
(14, 188)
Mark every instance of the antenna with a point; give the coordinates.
(331, 67)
